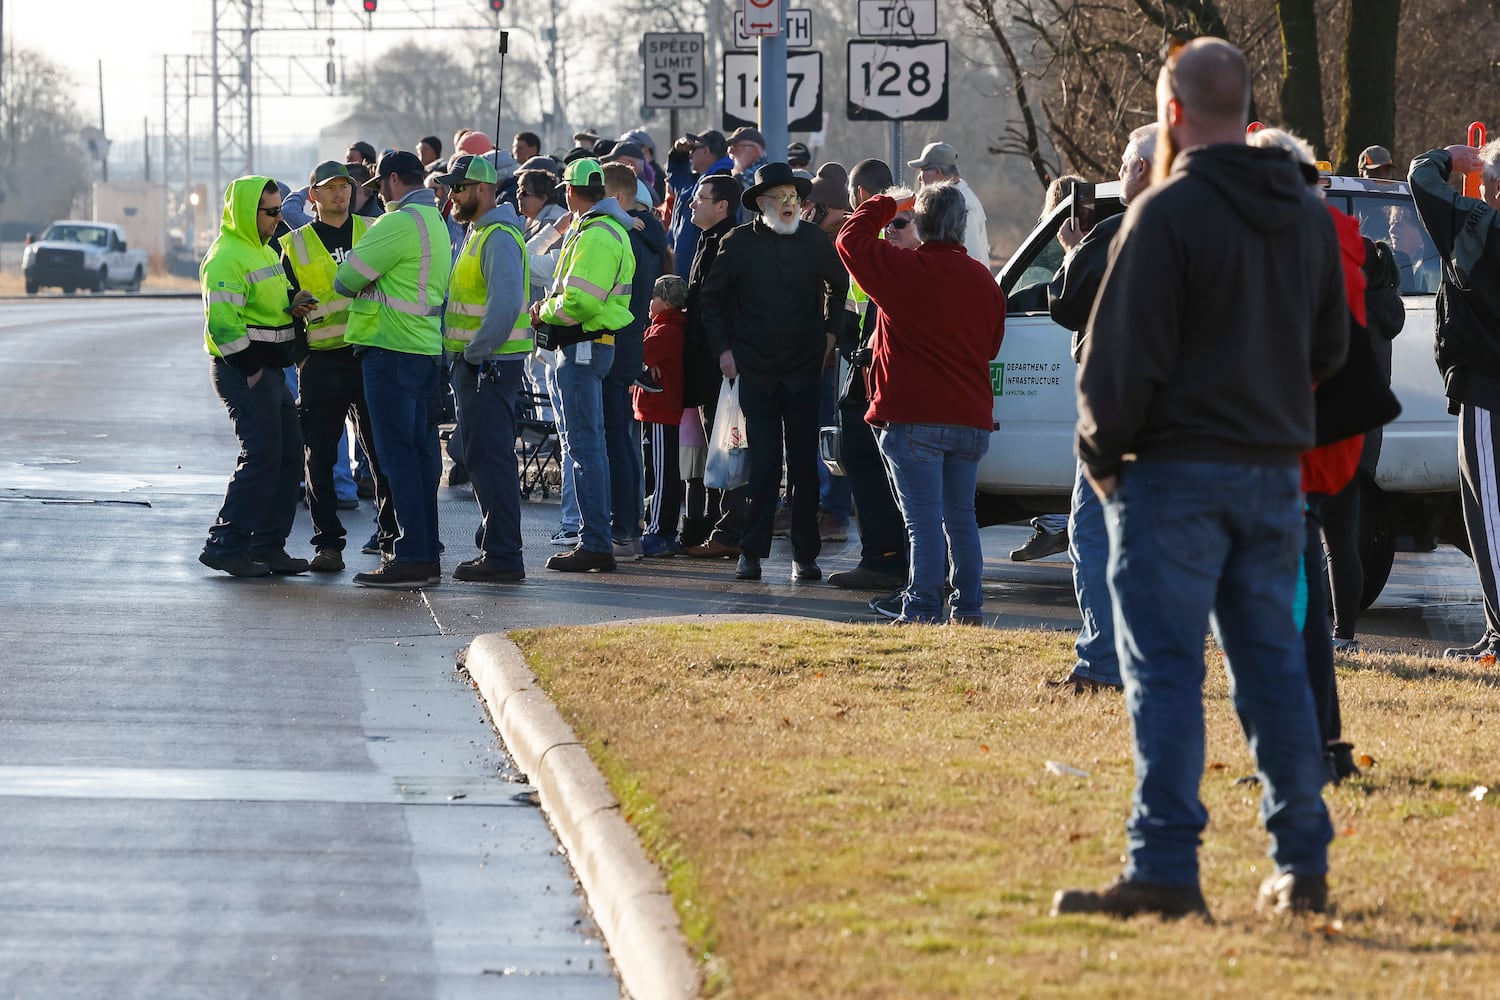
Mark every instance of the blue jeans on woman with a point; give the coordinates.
(1193, 544)
(936, 469)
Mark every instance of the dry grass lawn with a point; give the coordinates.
(861, 811)
(13, 283)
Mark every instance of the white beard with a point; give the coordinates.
(778, 227)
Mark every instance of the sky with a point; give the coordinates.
(130, 37)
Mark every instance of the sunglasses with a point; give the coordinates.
(459, 188)
(272, 212)
(898, 224)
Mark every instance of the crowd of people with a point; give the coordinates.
(1231, 331)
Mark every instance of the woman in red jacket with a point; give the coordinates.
(941, 321)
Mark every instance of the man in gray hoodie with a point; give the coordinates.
(488, 330)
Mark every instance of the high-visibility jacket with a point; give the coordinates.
(245, 291)
(858, 300)
(315, 267)
(398, 275)
(468, 293)
(594, 272)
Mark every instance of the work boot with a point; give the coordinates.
(402, 575)
(1040, 545)
(748, 568)
(581, 560)
(712, 550)
(1340, 760)
(327, 561)
(1286, 892)
(486, 570)
(279, 562)
(1127, 897)
(806, 570)
(864, 578)
(233, 563)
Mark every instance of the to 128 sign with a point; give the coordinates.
(893, 80)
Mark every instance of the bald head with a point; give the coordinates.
(1212, 81)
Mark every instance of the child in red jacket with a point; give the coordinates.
(660, 413)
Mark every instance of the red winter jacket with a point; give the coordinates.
(941, 321)
(663, 349)
(1328, 468)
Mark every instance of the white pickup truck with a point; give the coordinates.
(1030, 466)
(72, 255)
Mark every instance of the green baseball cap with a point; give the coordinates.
(471, 168)
(328, 170)
(582, 173)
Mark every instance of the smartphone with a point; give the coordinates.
(1084, 210)
(310, 301)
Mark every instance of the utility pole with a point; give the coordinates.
(103, 136)
(773, 106)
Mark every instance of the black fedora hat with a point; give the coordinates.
(774, 175)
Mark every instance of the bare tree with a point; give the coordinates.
(38, 175)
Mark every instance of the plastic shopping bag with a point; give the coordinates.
(728, 463)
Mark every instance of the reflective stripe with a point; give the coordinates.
(326, 334)
(233, 298)
(402, 306)
(269, 335)
(620, 290)
(424, 269)
(562, 314)
(364, 269)
(299, 245)
(466, 309)
(328, 309)
(235, 346)
(588, 287)
(261, 274)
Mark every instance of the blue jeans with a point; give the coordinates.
(566, 490)
(486, 410)
(580, 390)
(261, 500)
(622, 442)
(1193, 544)
(936, 468)
(401, 390)
(1088, 547)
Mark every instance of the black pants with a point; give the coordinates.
(1346, 573)
(882, 530)
(666, 495)
(725, 508)
(261, 500)
(330, 388)
(1315, 638)
(782, 414)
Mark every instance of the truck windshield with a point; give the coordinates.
(92, 235)
(1393, 219)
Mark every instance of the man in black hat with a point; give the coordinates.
(771, 308)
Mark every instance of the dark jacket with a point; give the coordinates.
(1070, 297)
(1222, 305)
(1466, 233)
(775, 301)
(647, 245)
(684, 183)
(700, 364)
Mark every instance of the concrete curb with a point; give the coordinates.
(626, 891)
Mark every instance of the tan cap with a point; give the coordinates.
(935, 154)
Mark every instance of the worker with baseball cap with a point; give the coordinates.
(798, 156)
(589, 301)
(1375, 162)
(397, 274)
(938, 164)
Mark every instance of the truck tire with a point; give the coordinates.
(1377, 543)
(31, 287)
(101, 282)
(135, 282)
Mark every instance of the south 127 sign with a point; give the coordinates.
(892, 80)
(804, 90)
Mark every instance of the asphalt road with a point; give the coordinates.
(231, 788)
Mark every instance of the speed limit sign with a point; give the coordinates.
(674, 70)
(892, 80)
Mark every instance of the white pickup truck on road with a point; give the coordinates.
(1030, 466)
(92, 255)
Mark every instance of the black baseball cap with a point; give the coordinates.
(396, 161)
(326, 171)
(798, 155)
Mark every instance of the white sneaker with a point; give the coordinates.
(565, 537)
(630, 550)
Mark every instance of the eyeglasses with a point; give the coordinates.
(898, 223)
(459, 188)
(783, 199)
(273, 212)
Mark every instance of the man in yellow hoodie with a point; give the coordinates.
(248, 309)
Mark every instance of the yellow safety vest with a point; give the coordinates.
(468, 295)
(314, 267)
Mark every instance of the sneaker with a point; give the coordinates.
(1126, 898)
(371, 547)
(1484, 647)
(1289, 893)
(748, 568)
(233, 563)
(863, 578)
(659, 547)
(279, 562)
(1040, 545)
(646, 383)
(348, 503)
(327, 561)
(402, 575)
(806, 570)
(630, 551)
(1348, 647)
(581, 560)
(1340, 760)
(486, 570)
(1079, 685)
(831, 529)
(890, 605)
(565, 537)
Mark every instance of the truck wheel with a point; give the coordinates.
(101, 282)
(31, 287)
(135, 282)
(1377, 543)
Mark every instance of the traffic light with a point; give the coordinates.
(370, 6)
(497, 5)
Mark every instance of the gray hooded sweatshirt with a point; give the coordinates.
(501, 266)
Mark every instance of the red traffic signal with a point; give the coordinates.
(497, 5)
(370, 6)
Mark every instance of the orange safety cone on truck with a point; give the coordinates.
(1476, 139)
